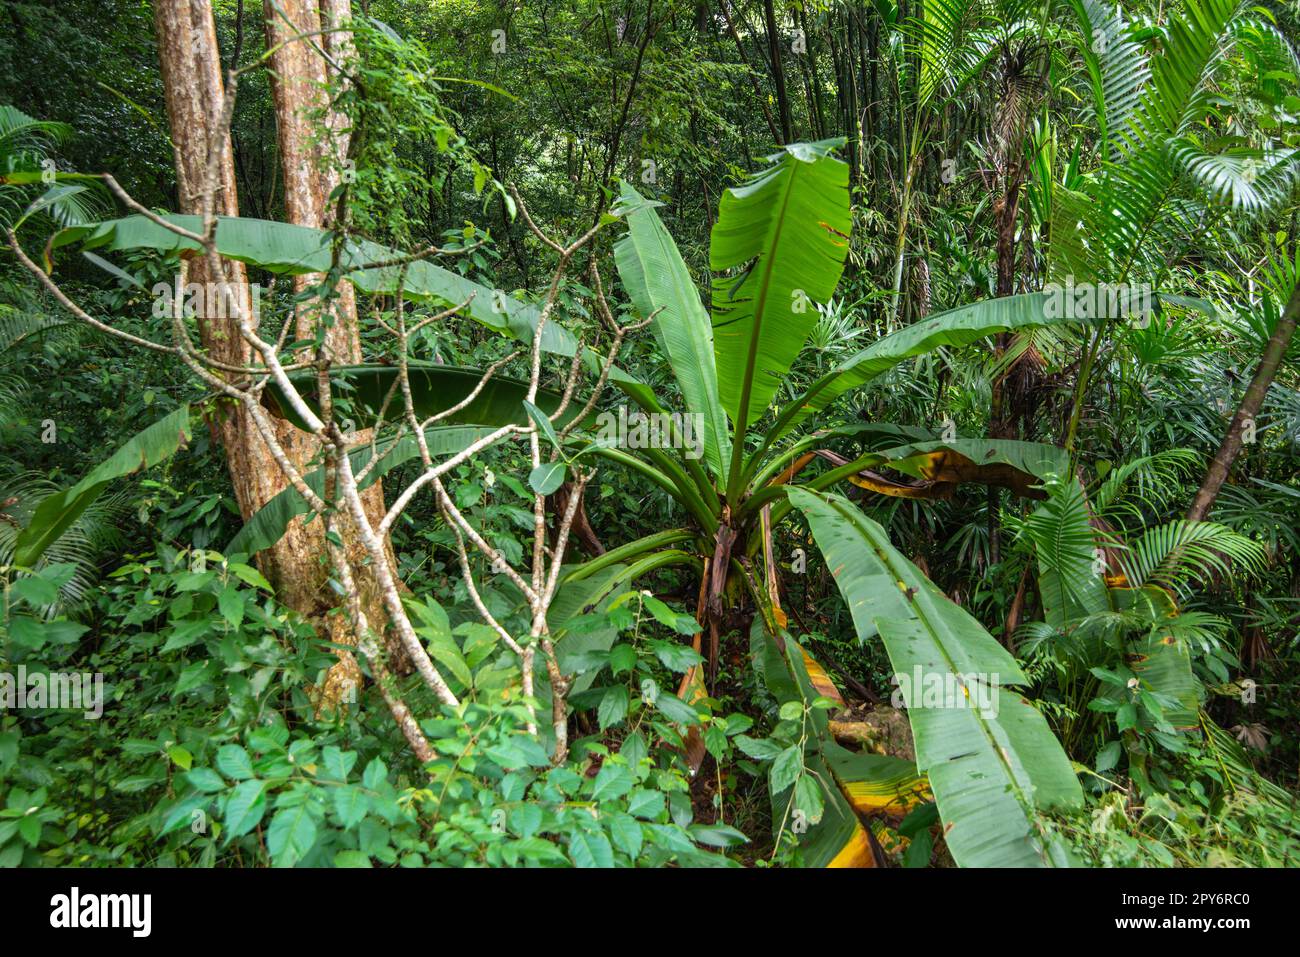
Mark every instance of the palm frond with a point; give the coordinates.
(1177, 554)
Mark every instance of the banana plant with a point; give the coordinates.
(779, 245)
(777, 249)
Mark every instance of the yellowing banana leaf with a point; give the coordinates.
(942, 466)
(854, 786)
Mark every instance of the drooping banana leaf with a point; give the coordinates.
(434, 389)
(266, 526)
(657, 279)
(56, 513)
(781, 238)
(991, 759)
(954, 327)
(939, 466)
(295, 250)
(1020, 466)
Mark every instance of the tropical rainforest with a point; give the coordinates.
(644, 433)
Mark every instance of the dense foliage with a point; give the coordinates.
(870, 434)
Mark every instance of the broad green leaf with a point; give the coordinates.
(56, 513)
(298, 250)
(612, 781)
(954, 327)
(591, 850)
(231, 603)
(547, 477)
(291, 835)
(266, 526)
(786, 768)
(351, 859)
(205, 780)
(626, 832)
(351, 804)
(613, 707)
(777, 249)
(445, 651)
(372, 389)
(991, 759)
(234, 762)
(244, 808)
(717, 835)
(675, 709)
(659, 283)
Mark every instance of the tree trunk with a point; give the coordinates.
(313, 145)
(194, 90)
(1251, 403)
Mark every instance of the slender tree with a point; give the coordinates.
(1251, 403)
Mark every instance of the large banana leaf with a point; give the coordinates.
(657, 279)
(955, 327)
(295, 250)
(56, 513)
(434, 389)
(992, 761)
(266, 526)
(782, 239)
